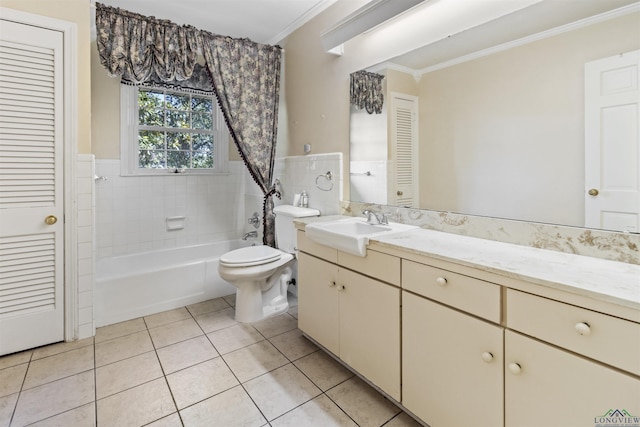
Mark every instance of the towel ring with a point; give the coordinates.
(328, 177)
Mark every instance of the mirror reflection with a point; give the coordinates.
(527, 133)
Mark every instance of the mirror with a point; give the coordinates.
(499, 133)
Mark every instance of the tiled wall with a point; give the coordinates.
(86, 232)
(132, 211)
(308, 173)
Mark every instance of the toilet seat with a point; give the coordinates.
(250, 256)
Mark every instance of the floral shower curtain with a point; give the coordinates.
(366, 91)
(244, 75)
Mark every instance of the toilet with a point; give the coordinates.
(261, 273)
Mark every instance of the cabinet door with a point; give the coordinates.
(556, 388)
(452, 367)
(370, 329)
(318, 314)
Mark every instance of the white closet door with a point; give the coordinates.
(612, 143)
(31, 187)
(404, 151)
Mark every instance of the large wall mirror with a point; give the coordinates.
(509, 131)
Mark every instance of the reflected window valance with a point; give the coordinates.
(366, 91)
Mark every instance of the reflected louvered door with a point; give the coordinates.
(402, 188)
(31, 196)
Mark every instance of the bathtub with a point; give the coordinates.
(131, 286)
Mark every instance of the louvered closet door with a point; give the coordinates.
(31, 140)
(403, 187)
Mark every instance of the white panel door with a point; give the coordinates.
(403, 175)
(31, 187)
(612, 147)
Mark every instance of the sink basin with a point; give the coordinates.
(351, 235)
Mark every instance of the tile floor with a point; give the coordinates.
(193, 366)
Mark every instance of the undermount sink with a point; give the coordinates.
(351, 235)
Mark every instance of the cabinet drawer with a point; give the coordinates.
(376, 264)
(602, 337)
(466, 293)
(321, 251)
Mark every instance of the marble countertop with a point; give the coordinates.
(610, 281)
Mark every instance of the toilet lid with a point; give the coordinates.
(250, 256)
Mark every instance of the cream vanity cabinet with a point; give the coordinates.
(548, 379)
(452, 360)
(353, 315)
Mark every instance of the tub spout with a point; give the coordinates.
(245, 236)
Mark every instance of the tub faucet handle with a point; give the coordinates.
(254, 220)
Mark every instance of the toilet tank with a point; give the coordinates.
(285, 230)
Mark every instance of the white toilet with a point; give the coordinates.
(262, 273)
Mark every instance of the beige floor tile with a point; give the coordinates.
(276, 325)
(120, 329)
(186, 353)
(216, 304)
(230, 299)
(137, 406)
(15, 359)
(11, 379)
(54, 398)
(217, 320)
(293, 311)
(323, 370)
(362, 403)
(281, 390)
(254, 360)
(403, 420)
(7, 405)
(319, 412)
(61, 365)
(174, 332)
(166, 317)
(234, 337)
(60, 347)
(172, 420)
(228, 409)
(127, 373)
(200, 382)
(293, 344)
(123, 347)
(84, 416)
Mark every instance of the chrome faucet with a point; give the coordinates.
(245, 236)
(374, 218)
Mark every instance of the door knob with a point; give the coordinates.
(50, 220)
(593, 192)
(399, 193)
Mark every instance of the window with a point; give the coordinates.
(171, 131)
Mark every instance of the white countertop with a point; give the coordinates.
(612, 281)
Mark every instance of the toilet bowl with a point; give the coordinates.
(261, 273)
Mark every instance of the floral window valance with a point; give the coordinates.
(244, 76)
(366, 91)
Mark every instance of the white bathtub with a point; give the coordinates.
(136, 285)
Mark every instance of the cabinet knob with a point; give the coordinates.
(487, 357)
(332, 284)
(583, 328)
(342, 287)
(441, 281)
(515, 368)
(50, 220)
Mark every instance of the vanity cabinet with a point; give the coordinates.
(451, 365)
(452, 361)
(354, 316)
(461, 345)
(548, 379)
